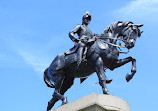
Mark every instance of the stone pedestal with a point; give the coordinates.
(96, 102)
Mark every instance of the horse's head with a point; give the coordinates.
(130, 34)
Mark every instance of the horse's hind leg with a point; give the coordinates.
(101, 75)
(58, 85)
(57, 95)
(51, 103)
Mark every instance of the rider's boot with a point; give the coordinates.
(79, 57)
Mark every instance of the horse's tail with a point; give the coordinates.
(47, 80)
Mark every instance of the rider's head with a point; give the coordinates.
(86, 18)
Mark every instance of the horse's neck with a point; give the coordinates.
(109, 37)
(113, 31)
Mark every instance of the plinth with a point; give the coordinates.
(96, 102)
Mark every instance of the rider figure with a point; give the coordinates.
(84, 34)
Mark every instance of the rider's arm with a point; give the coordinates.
(72, 33)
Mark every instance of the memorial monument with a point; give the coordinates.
(91, 53)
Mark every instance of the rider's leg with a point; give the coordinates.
(80, 53)
(84, 53)
(101, 75)
(121, 62)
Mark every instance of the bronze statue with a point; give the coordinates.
(101, 53)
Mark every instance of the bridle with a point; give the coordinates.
(120, 39)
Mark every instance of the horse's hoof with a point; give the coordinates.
(128, 77)
(64, 101)
(108, 81)
(49, 106)
(107, 93)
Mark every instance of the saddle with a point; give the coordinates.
(76, 46)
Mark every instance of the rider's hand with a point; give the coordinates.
(77, 40)
(83, 41)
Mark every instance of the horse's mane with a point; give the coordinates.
(114, 25)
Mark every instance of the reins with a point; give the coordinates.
(119, 46)
(107, 37)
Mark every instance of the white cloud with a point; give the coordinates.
(38, 63)
(140, 9)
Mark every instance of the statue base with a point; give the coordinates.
(96, 102)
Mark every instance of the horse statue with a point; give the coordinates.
(102, 54)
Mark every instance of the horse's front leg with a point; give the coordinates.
(101, 75)
(121, 62)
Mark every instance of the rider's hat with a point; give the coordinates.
(87, 15)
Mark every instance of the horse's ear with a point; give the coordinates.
(131, 25)
(120, 24)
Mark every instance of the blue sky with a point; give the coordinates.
(33, 32)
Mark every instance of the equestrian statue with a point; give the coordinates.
(91, 53)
